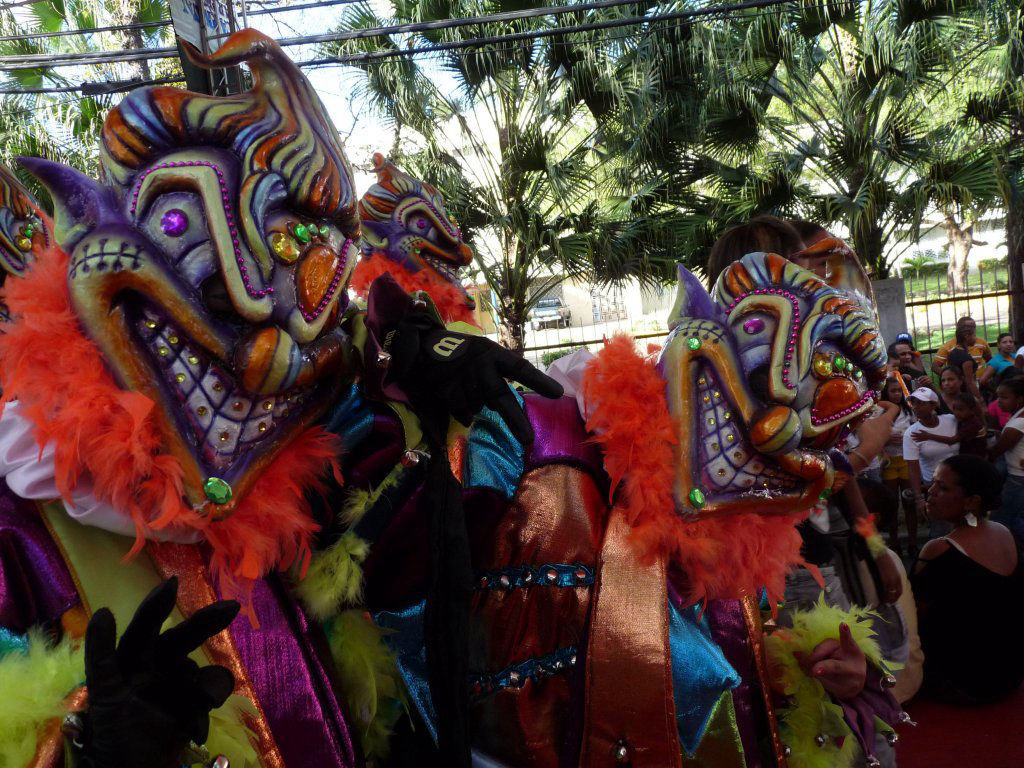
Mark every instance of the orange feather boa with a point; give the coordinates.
(446, 297)
(106, 434)
(724, 557)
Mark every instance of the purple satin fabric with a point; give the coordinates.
(860, 712)
(559, 434)
(291, 683)
(729, 630)
(35, 586)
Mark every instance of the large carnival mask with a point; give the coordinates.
(24, 229)
(210, 266)
(405, 221)
(765, 378)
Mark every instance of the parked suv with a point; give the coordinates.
(550, 311)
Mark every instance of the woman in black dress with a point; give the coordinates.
(969, 588)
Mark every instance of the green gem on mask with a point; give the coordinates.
(697, 498)
(302, 233)
(218, 491)
(693, 343)
(839, 362)
(324, 230)
(825, 493)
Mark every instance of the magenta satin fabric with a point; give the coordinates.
(559, 434)
(291, 682)
(35, 586)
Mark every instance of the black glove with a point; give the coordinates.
(445, 372)
(147, 699)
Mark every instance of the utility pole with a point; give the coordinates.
(205, 24)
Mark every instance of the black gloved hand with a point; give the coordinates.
(147, 699)
(460, 373)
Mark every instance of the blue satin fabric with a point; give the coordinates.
(406, 641)
(350, 418)
(700, 674)
(494, 458)
(12, 643)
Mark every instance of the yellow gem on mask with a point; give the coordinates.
(224, 437)
(150, 324)
(268, 406)
(262, 427)
(163, 351)
(217, 386)
(730, 437)
(284, 247)
(180, 378)
(24, 243)
(172, 339)
(193, 360)
(822, 366)
(201, 410)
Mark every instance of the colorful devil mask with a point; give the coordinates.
(407, 232)
(211, 266)
(24, 229)
(763, 380)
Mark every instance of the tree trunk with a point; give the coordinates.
(867, 242)
(1015, 203)
(960, 241)
(511, 332)
(123, 12)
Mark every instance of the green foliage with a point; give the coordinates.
(511, 141)
(551, 355)
(65, 126)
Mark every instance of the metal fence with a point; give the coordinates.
(932, 309)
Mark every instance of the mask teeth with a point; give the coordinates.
(224, 419)
(730, 465)
(444, 268)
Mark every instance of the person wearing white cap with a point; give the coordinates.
(923, 457)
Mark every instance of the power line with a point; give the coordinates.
(83, 59)
(143, 25)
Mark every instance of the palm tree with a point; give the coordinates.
(512, 145)
(816, 110)
(66, 126)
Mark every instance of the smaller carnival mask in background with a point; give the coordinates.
(25, 231)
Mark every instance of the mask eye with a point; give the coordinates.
(176, 224)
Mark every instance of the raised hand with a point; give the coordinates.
(147, 698)
(839, 665)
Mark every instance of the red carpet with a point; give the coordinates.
(963, 737)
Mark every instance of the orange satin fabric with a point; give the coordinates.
(194, 592)
(752, 618)
(629, 667)
(556, 517)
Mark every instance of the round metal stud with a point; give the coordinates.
(514, 678)
(505, 581)
(551, 576)
(621, 751)
(410, 458)
(528, 577)
(419, 303)
(383, 359)
(892, 737)
(905, 718)
(572, 660)
(220, 762)
(820, 740)
(786, 750)
(873, 762)
(72, 727)
(889, 681)
(580, 575)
